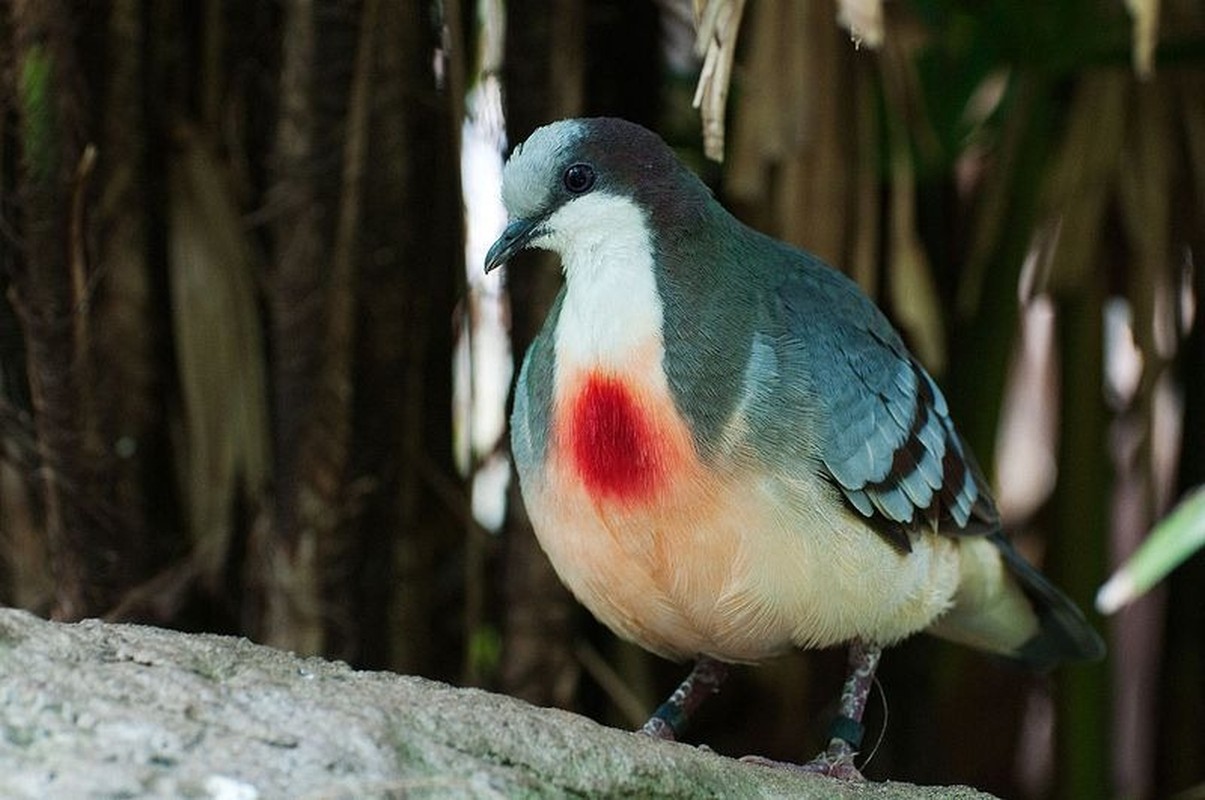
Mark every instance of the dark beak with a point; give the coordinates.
(513, 239)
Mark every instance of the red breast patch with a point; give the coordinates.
(615, 444)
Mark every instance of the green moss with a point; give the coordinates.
(38, 114)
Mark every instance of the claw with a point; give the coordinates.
(835, 762)
(658, 728)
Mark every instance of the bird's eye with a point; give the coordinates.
(579, 178)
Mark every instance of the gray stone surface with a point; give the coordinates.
(120, 711)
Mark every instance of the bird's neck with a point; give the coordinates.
(614, 323)
(612, 314)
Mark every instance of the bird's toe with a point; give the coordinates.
(835, 762)
(657, 728)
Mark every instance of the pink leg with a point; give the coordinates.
(671, 718)
(837, 760)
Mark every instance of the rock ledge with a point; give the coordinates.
(93, 710)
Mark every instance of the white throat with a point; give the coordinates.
(611, 308)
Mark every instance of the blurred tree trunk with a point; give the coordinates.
(290, 613)
(358, 187)
(985, 285)
(368, 239)
(545, 56)
(90, 552)
(1081, 520)
(1181, 706)
(318, 166)
(415, 521)
(132, 335)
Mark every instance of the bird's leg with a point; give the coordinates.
(837, 760)
(671, 718)
(846, 730)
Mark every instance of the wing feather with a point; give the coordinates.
(885, 437)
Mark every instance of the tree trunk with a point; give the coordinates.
(544, 55)
(49, 294)
(309, 300)
(420, 253)
(1076, 564)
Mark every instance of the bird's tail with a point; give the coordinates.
(1064, 633)
(1005, 606)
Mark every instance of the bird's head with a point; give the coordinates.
(578, 182)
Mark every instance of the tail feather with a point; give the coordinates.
(1005, 606)
(1064, 633)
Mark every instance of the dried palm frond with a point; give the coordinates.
(863, 19)
(718, 23)
(804, 159)
(1082, 175)
(219, 350)
(913, 290)
(1146, 34)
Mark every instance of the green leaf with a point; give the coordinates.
(1180, 534)
(37, 111)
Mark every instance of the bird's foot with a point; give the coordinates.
(658, 728)
(835, 762)
(670, 719)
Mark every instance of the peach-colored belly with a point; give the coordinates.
(688, 559)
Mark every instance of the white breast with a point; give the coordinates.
(611, 305)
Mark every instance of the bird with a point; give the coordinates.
(726, 450)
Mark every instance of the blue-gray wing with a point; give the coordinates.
(884, 433)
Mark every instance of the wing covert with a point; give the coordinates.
(884, 431)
